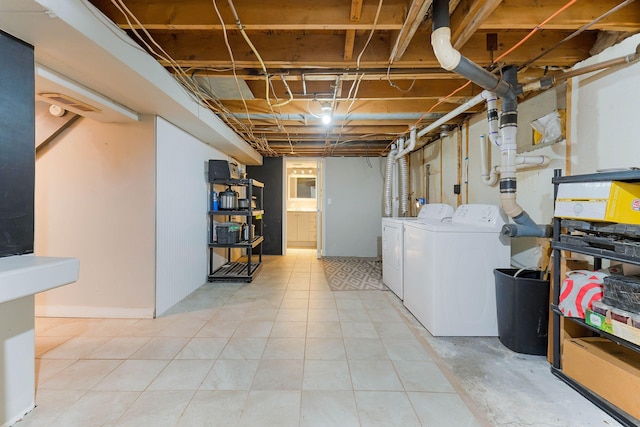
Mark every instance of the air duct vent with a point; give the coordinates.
(69, 101)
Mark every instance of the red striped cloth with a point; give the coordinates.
(580, 289)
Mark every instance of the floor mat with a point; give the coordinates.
(353, 273)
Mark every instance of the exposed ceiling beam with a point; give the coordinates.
(525, 14)
(367, 89)
(370, 106)
(271, 15)
(350, 35)
(325, 51)
(349, 42)
(330, 75)
(335, 130)
(414, 18)
(356, 11)
(468, 17)
(315, 44)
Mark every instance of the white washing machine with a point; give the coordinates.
(392, 243)
(448, 271)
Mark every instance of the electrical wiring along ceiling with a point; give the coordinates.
(347, 78)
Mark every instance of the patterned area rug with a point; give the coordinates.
(353, 273)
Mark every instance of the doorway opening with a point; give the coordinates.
(303, 187)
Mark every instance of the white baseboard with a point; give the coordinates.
(19, 416)
(94, 312)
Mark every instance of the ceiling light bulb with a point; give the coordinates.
(326, 113)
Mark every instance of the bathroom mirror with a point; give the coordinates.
(302, 187)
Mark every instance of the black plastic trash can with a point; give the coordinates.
(522, 303)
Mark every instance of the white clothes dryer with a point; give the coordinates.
(392, 243)
(448, 271)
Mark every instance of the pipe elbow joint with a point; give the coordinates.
(525, 227)
(447, 55)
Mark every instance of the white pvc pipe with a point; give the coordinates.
(522, 160)
(489, 174)
(508, 169)
(492, 115)
(482, 96)
(447, 55)
(409, 148)
(452, 114)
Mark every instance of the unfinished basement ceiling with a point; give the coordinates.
(369, 63)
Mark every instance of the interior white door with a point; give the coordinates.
(319, 199)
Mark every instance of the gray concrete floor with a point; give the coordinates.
(508, 388)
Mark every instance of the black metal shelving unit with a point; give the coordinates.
(246, 268)
(598, 255)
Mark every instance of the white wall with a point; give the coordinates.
(604, 114)
(535, 192)
(181, 214)
(353, 206)
(95, 200)
(602, 132)
(449, 161)
(418, 161)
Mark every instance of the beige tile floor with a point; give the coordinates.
(281, 351)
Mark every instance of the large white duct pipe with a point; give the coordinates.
(388, 180)
(403, 178)
(403, 172)
(507, 88)
(404, 186)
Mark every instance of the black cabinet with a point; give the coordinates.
(17, 153)
(564, 242)
(247, 266)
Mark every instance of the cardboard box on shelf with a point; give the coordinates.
(610, 201)
(604, 323)
(609, 370)
(568, 329)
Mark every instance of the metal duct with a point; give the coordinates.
(404, 186)
(388, 180)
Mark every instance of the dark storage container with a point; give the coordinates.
(523, 310)
(222, 169)
(622, 292)
(228, 233)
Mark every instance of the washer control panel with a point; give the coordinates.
(482, 215)
(435, 211)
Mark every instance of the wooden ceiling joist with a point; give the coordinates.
(325, 51)
(469, 17)
(415, 16)
(316, 45)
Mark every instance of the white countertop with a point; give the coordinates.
(301, 210)
(23, 275)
